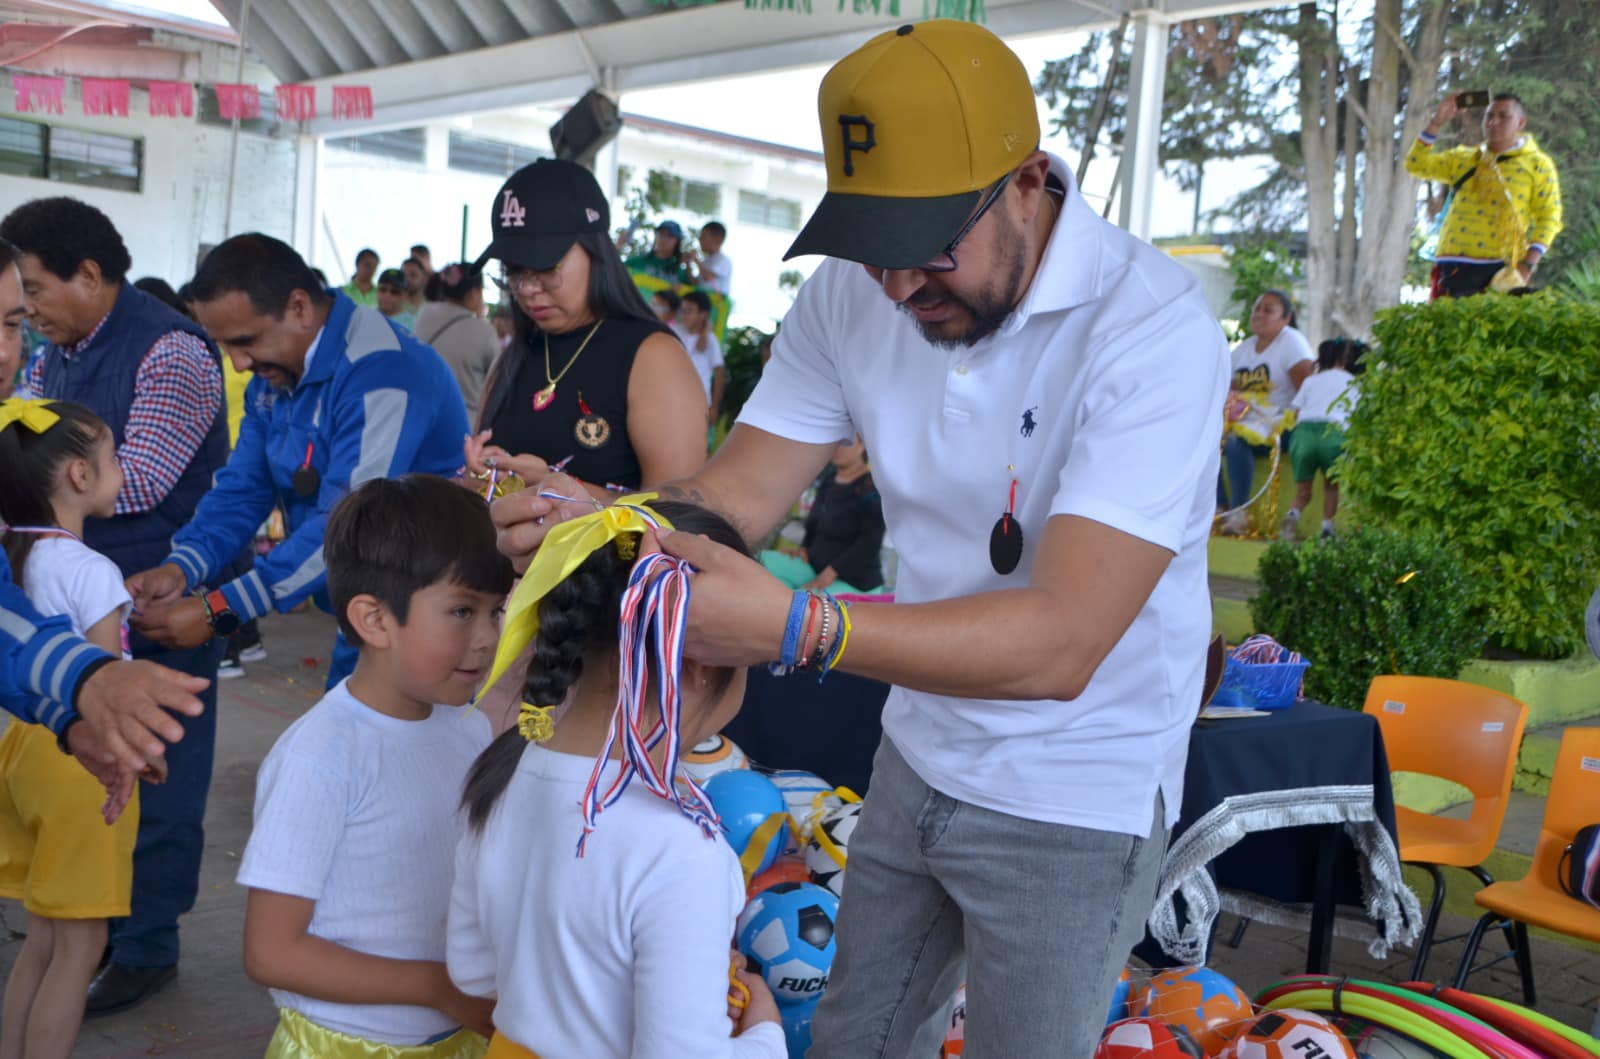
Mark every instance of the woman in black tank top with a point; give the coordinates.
(591, 384)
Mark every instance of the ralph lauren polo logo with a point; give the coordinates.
(1028, 423)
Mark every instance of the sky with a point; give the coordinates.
(781, 107)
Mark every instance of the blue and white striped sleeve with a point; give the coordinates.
(42, 661)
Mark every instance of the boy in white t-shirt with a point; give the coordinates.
(1323, 404)
(349, 861)
(70, 870)
(694, 317)
(713, 266)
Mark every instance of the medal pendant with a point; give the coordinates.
(543, 398)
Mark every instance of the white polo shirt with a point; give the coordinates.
(1115, 360)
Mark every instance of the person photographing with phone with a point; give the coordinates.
(1506, 205)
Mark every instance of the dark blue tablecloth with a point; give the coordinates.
(831, 729)
(1258, 796)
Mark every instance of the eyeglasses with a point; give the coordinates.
(945, 260)
(515, 279)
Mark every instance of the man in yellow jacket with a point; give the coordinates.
(1507, 205)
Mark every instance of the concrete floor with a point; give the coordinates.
(213, 1012)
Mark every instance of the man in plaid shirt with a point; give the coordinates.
(156, 379)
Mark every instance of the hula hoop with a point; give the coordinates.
(1578, 1037)
(1272, 470)
(1540, 1039)
(1462, 1024)
(1385, 1014)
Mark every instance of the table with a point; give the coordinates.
(1285, 815)
(831, 729)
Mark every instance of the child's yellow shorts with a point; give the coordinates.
(57, 856)
(502, 1047)
(298, 1037)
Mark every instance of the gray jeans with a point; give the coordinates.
(1044, 914)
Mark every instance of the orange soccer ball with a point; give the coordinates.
(1289, 1034)
(1199, 1002)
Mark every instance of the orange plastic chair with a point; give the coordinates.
(1537, 899)
(1463, 733)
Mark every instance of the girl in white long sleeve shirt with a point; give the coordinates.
(625, 951)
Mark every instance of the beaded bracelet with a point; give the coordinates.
(822, 639)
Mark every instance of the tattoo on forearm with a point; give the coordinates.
(685, 492)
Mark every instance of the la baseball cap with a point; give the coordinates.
(916, 123)
(541, 210)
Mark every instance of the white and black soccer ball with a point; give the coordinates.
(711, 756)
(829, 846)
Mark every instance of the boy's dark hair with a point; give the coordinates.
(715, 227)
(366, 252)
(63, 233)
(1509, 97)
(580, 614)
(699, 299)
(420, 248)
(391, 537)
(29, 466)
(673, 299)
(264, 269)
(162, 291)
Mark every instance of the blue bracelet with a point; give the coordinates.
(789, 654)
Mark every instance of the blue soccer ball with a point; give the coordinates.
(786, 935)
(745, 801)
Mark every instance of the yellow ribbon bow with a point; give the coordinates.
(562, 552)
(33, 413)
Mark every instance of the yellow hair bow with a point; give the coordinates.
(33, 413)
(562, 552)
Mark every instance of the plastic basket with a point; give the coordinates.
(1262, 686)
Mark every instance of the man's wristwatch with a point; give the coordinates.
(221, 618)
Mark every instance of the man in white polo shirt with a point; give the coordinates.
(1042, 396)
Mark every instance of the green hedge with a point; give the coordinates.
(1364, 604)
(1479, 430)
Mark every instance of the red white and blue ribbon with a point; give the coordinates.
(654, 617)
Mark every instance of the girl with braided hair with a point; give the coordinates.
(620, 947)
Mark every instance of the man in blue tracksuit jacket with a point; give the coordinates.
(340, 396)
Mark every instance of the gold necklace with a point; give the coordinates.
(542, 399)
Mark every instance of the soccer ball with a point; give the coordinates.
(746, 802)
(711, 756)
(1120, 995)
(786, 935)
(1371, 1041)
(1145, 1038)
(829, 846)
(1288, 1034)
(1200, 1002)
(785, 869)
(800, 792)
(955, 1035)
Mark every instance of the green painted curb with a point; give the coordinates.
(1537, 762)
(1557, 692)
(1232, 619)
(1232, 557)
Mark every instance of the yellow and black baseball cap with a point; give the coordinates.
(916, 123)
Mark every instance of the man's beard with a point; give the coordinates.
(989, 308)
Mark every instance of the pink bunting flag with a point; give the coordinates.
(41, 95)
(238, 101)
(297, 102)
(169, 99)
(352, 101)
(105, 96)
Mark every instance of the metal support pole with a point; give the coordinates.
(233, 150)
(1142, 152)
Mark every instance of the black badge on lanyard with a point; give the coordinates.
(305, 481)
(1005, 540)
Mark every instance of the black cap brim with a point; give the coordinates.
(538, 252)
(884, 232)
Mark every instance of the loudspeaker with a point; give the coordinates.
(592, 123)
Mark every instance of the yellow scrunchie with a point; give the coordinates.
(33, 413)
(562, 552)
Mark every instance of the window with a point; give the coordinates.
(51, 152)
(480, 154)
(403, 145)
(696, 196)
(769, 210)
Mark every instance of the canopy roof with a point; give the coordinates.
(427, 59)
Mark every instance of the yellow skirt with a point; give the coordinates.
(501, 1047)
(300, 1038)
